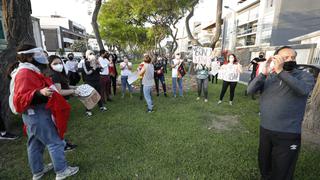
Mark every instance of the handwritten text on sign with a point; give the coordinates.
(201, 55)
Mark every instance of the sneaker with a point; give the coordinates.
(8, 136)
(46, 168)
(149, 111)
(88, 113)
(103, 108)
(165, 94)
(230, 102)
(206, 100)
(198, 98)
(70, 147)
(158, 94)
(69, 171)
(219, 102)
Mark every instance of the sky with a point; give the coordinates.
(77, 10)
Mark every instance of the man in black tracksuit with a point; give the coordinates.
(285, 91)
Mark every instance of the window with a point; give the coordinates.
(269, 3)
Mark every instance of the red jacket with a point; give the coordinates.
(27, 82)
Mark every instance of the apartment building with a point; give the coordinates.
(60, 32)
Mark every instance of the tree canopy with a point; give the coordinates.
(141, 24)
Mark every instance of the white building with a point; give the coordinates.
(60, 32)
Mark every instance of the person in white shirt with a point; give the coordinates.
(175, 65)
(72, 66)
(230, 74)
(215, 66)
(105, 82)
(125, 68)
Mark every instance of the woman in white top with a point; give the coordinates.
(230, 74)
(147, 72)
(175, 79)
(126, 68)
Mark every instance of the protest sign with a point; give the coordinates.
(201, 55)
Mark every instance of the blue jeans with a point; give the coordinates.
(42, 133)
(124, 84)
(174, 86)
(147, 96)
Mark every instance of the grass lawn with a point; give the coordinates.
(182, 139)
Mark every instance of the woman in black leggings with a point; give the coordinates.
(230, 74)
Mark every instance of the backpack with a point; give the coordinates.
(181, 71)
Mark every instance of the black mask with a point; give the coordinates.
(260, 56)
(289, 65)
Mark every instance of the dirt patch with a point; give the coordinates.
(223, 123)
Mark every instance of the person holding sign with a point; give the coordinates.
(230, 74)
(202, 80)
(175, 75)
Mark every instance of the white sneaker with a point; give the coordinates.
(198, 98)
(230, 102)
(103, 108)
(46, 168)
(206, 100)
(88, 113)
(219, 102)
(69, 171)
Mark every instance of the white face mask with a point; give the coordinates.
(231, 59)
(58, 67)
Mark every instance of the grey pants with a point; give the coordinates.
(203, 85)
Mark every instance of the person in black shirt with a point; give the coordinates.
(255, 65)
(159, 75)
(60, 80)
(92, 70)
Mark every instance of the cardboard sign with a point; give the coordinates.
(229, 73)
(201, 55)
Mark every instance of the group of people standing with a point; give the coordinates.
(41, 86)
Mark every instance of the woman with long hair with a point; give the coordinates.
(230, 74)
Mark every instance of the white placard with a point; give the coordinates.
(133, 77)
(201, 55)
(229, 73)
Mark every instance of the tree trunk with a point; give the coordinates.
(190, 15)
(19, 30)
(312, 115)
(218, 24)
(95, 25)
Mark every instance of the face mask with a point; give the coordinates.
(289, 65)
(58, 67)
(41, 58)
(231, 59)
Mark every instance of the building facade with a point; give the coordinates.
(60, 33)
(256, 25)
